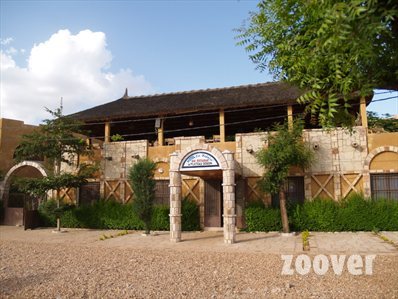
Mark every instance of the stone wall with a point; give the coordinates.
(337, 150)
(118, 157)
(247, 145)
(182, 143)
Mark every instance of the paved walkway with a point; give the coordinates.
(351, 243)
(393, 236)
(273, 242)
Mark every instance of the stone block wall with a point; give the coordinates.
(118, 157)
(247, 145)
(182, 143)
(337, 150)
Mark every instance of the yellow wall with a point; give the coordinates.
(11, 132)
(161, 155)
(382, 139)
(385, 161)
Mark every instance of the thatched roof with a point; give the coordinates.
(264, 94)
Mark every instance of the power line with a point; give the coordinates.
(385, 99)
(384, 92)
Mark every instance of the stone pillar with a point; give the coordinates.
(222, 126)
(229, 198)
(175, 199)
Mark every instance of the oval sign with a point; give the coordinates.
(200, 160)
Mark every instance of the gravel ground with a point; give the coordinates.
(39, 269)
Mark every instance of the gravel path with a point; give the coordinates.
(39, 269)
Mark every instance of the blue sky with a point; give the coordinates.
(147, 46)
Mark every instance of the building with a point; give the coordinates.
(11, 132)
(205, 141)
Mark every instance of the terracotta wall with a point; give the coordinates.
(11, 132)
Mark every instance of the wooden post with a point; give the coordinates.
(222, 126)
(290, 116)
(107, 132)
(160, 134)
(364, 116)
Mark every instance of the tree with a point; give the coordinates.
(58, 142)
(386, 123)
(285, 149)
(143, 185)
(334, 50)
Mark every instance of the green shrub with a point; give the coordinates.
(47, 217)
(104, 215)
(114, 215)
(262, 219)
(354, 213)
(190, 215)
(256, 204)
(316, 215)
(143, 184)
(160, 217)
(68, 219)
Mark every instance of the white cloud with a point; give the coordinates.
(6, 41)
(74, 67)
(11, 51)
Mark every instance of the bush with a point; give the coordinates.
(190, 215)
(114, 215)
(160, 217)
(262, 219)
(47, 217)
(354, 213)
(256, 204)
(143, 184)
(103, 215)
(316, 215)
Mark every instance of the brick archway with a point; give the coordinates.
(226, 164)
(366, 166)
(16, 215)
(37, 165)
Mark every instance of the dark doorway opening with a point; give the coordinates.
(213, 203)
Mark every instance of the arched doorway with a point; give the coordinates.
(381, 167)
(204, 160)
(14, 202)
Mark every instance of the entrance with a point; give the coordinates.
(19, 208)
(213, 203)
(204, 160)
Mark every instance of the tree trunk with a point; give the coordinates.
(282, 204)
(58, 205)
(57, 173)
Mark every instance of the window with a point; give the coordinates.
(294, 191)
(162, 192)
(384, 185)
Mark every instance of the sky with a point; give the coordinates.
(88, 52)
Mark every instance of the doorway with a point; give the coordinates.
(213, 203)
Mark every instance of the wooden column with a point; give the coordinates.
(364, 116)
(107, 132)
(222, 126)
(290, 116)
(161, 134)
